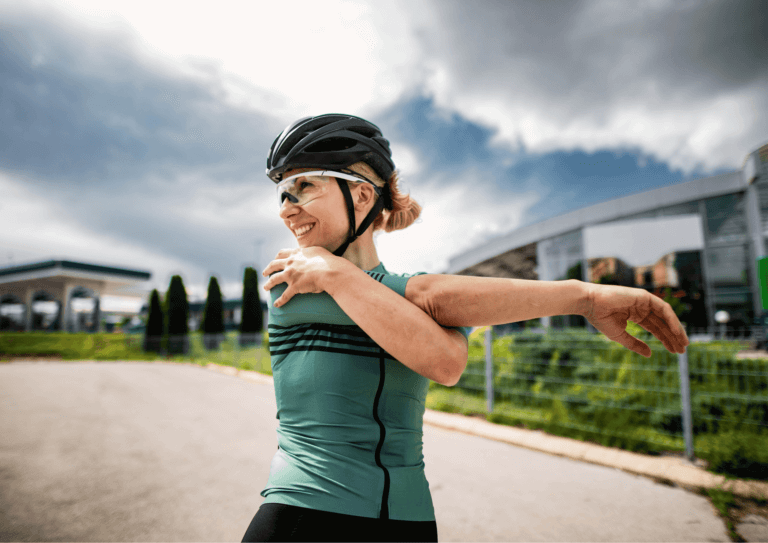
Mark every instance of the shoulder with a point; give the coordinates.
(395, 281)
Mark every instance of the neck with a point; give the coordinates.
(362, 253)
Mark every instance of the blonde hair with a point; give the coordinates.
(405, 210)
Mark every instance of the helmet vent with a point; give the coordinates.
(331, 144)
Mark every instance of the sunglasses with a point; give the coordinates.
(302, 188)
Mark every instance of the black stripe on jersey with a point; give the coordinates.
(332, 349)
(319, 331)
(347, 329)
(320, 338)
(376, 275)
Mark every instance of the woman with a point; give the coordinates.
(353, 347)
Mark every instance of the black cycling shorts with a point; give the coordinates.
(279, 522)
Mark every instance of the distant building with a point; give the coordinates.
(59, 284)
(700, 239)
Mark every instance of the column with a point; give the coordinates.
(708, 287)
(28, 295)
(66, 324)
(96, 312)
(756, 246)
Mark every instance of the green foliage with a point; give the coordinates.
(81, 346)
(721, 499)
(154, 330)
(176, 316)
(739, 453)
(575, 272)
(213, 314)
(253, 318)
(677, 305)
(86, 346)
(576, 384)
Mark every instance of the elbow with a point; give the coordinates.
(421, 293)
(454, 366)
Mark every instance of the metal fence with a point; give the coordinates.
(585, 382)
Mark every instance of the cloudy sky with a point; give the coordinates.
(135, 133)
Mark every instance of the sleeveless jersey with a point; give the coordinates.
(351, 416)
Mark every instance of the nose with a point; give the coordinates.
(288, 209)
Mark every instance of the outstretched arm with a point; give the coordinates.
(455, 300)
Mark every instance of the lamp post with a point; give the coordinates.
(722, 317)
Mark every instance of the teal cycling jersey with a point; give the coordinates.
(351, 416)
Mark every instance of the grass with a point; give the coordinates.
(86, 346)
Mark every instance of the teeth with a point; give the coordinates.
(304, 229)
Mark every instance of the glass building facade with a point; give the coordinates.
(717, 278)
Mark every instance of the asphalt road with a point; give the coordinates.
(137, 451)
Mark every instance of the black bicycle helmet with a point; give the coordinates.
(331, 141)
(335, 141)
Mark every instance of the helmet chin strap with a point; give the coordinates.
(377, 207)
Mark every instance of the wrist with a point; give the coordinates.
(337, 274)
(583, 303)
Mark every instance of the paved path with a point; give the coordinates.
(140, 451)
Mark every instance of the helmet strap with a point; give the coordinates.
(377, 207)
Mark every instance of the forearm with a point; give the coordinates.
(397, 325)
(458, 300)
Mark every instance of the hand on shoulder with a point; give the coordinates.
(304, 270)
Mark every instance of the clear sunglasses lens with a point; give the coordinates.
(302, 190)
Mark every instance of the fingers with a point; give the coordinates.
(659, 329)
(662, 322)
(669, 324)
(276, 274)
(634, 344)
(673, 323)
(276, 265)
(285, 297)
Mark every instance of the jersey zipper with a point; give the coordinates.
(384, 513)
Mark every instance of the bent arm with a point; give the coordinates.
(435, 352)
(398, 326)
(459, 300)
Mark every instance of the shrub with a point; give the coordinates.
(176, 315)
(213, 316)
(154, 331)
(252, 321)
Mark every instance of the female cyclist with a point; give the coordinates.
(353, 347)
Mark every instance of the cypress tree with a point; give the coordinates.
(154, 331)
(252, 321)
(176, 315)
(213, 316)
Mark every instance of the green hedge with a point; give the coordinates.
(82, 346)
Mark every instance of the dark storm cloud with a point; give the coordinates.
(79, 107)
(563, 46)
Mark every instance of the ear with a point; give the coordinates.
(364, 196)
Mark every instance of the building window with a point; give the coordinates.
(725, 219)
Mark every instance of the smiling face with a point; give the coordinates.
(321, 222)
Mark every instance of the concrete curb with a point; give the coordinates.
(672, 469)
